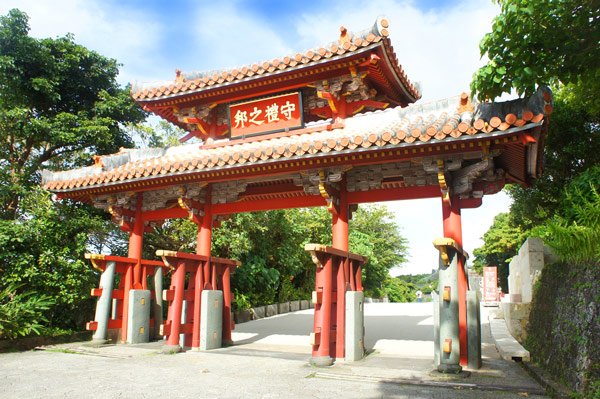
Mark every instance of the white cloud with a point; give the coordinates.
(116, 31)
(439, 49)
(225, 37)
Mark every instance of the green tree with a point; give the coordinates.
(398, 290)
(21, 313)
(574, 233)
(59, 105)
(42, 254)
(500, 243)
(543, 42)
(375, 234)
(270, 245)
(540, 42)
(571, 148)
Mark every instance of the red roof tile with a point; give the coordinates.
(193, 82)
(437, 121)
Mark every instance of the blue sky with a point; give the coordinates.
(436, 42)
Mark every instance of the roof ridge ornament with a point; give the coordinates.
(345, 36)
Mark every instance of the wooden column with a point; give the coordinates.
(340, 220)
(227, 299)
(204, 238)
(453, 229)
(133, 276)
(202, 276)
(322, 298)
(136, 238)
(178, 288)
(340, 241)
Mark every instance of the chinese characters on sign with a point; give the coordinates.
(266, 115)
(490, 284)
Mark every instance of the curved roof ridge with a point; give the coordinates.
(347, 42)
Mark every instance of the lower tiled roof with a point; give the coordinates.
(446, 120)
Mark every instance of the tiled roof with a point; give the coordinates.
(187, 83)
(441, 121)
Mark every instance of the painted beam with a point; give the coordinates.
(393, 194)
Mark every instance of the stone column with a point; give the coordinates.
(104, 304)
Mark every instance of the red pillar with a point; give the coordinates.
(126, 287)
(340, 241)
(203, 246)
(340, 221)
(227, 307)
(323, 311)
(205, 229)
(198, 284)
(178, 286)
(133, 278)
(453, 229)
(136, 237)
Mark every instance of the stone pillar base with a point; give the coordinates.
(170, 349)
(321, 361)
(98, 342)
(449, 368)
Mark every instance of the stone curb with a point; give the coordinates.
(507, 346)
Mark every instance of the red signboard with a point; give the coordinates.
(490, 284)
(266, 115)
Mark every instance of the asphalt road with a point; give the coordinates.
(390, 328)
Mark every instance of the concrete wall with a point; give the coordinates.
(525, 269)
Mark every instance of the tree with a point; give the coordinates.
(398, 290)
(574, 233)
(59, 105)
(500, 243)
(540, 42)
(375, 234)
(544, 42)
(270, 245)
(21, 313)
(570, 149)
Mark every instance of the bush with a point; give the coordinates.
(21, 314)
(399, 291)
(240, 301)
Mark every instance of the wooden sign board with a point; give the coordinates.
(266, 115)
(490, 284)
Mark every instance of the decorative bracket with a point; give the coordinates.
(122, 217)
(204, 119)
(93, 258)
(331, 195)
(444, 244)
(193, 207)
(441, 175)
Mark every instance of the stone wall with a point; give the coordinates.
(564, 325)
(525, 270)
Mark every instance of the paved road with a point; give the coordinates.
(390, 328)
(269, 360)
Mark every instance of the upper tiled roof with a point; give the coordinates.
(188, 83)
(441, 121)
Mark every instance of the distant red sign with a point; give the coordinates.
(490, 284)
(266, 115)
